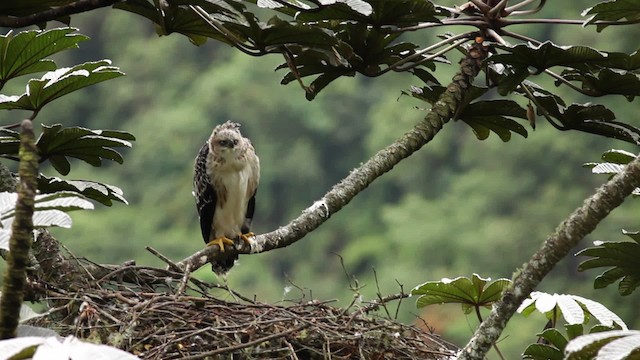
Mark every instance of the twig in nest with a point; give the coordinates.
(183, 282)
(165, 259)
(230, 349)
(379, 294)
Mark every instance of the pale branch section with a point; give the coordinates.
(21, 235)
(54, 13)
(361, 177)
(566, 236)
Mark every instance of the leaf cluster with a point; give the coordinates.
(576, 312)
(26, 53)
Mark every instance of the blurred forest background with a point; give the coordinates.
(456, 207)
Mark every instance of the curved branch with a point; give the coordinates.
(54, 13)
(360, 178)
(567, 235)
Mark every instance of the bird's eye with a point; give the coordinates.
(235, 142)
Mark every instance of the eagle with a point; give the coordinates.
(225, 181)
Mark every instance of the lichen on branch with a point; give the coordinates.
(22, 234)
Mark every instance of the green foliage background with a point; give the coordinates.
(456, 207)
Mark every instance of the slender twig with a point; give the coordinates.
(513, 10)
(247, 344)
(481, 6)
(507, 22)
(497, 37)
(542, 109)
(433, 56)
(379, 294)
(419, 53)
(475, 21)
(520, 37)
(165, 259)
(520, 5)
(496, 11)
(565, 81)
(229, 35)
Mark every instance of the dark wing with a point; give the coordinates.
(248, 218)
(204, 193)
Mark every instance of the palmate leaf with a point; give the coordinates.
(623, 258)
(575, 310)
(57, 348)
(590, 118)
(102, 193)
(609, 345)
(50, 210)
(57, 144)
(496, 116)
(343, 9)
(548, 54)
(60, 82)
(613, 10)
(25, 52)
(179, 18)
(471, 293)
(606, 82)
(614, 162)
(542, 352)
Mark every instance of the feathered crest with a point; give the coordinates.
(229, 125)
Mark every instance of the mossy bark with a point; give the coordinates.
(22, 235)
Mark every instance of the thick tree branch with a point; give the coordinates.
(54, 13)
(21, 236)
(361, 177)
(580, 223)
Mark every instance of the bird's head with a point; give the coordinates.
(226, 140)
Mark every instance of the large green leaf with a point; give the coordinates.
(380, 12)
(591, 118)
(103, 193)
(623, 258)
(613, 10)
(542, 352)
(57, 144)
(616, 344)
(60, 82)
(471, 293)
(49, 210)
(614, 162)
(548, 54)
(25, 52)
(496, 116)
(574, 309)
(606, 82)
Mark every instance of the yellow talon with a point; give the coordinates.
(221, 242)
(245, 237)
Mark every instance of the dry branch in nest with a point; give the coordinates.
(162, 314)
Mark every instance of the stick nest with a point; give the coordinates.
(161, 314)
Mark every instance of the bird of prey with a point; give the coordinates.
(226, 176)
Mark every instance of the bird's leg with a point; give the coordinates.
(245, 237)
(221, 242)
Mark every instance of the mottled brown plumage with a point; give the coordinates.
(226, 177)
